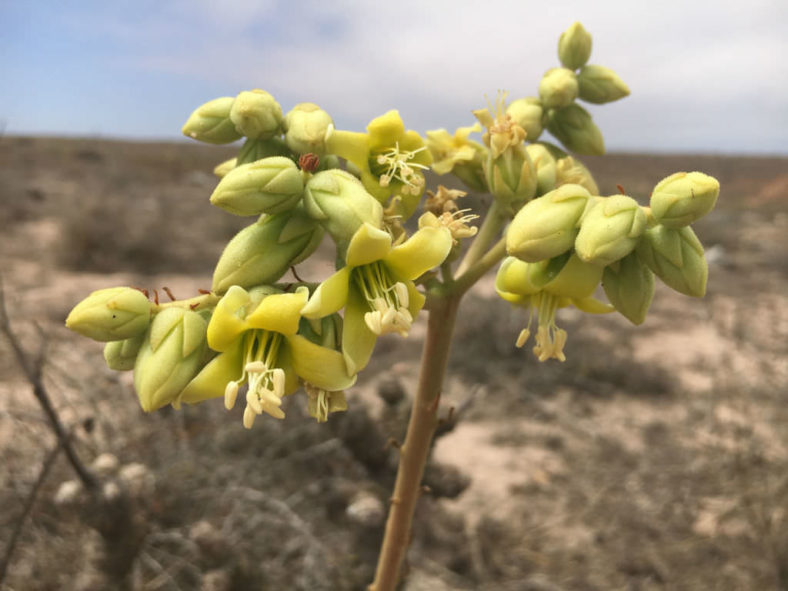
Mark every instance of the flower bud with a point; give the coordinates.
(597, 84)
(121, 355)
(511, 177)
(683, 198)
(547, 226)
(558, 88)
(254, 150)
(341, 204)
(545, 167)
(575, 129)
(270, 185)
(170, 357)
(629, 285)
(306, 128)
(111, 314)
(256, 114)
(610, 230)
(211, 122)
(263, 252)
(676, 257)
(569, 170)
(574, 46)
(527, 113)
(223, 168)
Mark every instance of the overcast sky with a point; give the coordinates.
(704, 76)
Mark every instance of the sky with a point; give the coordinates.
(704, 77)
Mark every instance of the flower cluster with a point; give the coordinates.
(253, 331)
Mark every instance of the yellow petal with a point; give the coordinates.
(321, 366)
(386, 130)
(592, 306)
(279, 312)
(576, 279)
(214, 377)
(368, 244)
(416, 299)
(357, 340)
(426, 249)
(228, 319)
(350, 145)
(285, 362)
(329, 297)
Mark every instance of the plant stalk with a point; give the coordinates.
(414, 452)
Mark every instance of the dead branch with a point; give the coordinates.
(33, 373)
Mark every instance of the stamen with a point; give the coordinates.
(386, 299)
(230, 395)
(399, 167)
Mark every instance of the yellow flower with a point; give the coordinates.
(376, 287)
(544, 287)
(390, 159)
(448, 151)
(256, 336)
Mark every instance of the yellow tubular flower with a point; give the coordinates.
(376, 287)
(447, 150)
(390, 159)
(256, 336)
(544, 287)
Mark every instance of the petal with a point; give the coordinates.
(386, 130)
(416, 299)
(515, 278)
(329, 297)
(350, 145)
(576, 280)
(357, 340)
(214, 377)
(592, 306)
(279, 312)
(426, 249)
(369, 244)
(284, 361)
(227, 322)
(321, 366)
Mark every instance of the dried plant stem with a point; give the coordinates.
(32, 372)
(414, 452)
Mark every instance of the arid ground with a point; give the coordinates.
(655, 457)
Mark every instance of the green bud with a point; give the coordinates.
(597, 84)
(326, 331)
(172, 354)
(569, 170)
(256, 114)
(683, 198)
(254, 150)
(575, 129)
(629, 285)
(676, 257)
(610, 230)
(111, 314)
(263, 252)
(223, 168)
(547, 226)
(527, 113)
(341, 204)
(121, 355)
(270, 185)
(558, 88)
(574, 46)
(306, 129)
(511, 177)
(211, 122)
(545, 167)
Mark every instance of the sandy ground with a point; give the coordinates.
(656, 457)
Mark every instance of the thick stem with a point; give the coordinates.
(414, 452)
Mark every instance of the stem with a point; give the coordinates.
(199, 302)
(414, 452)
(464, 282)
(490, 228)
